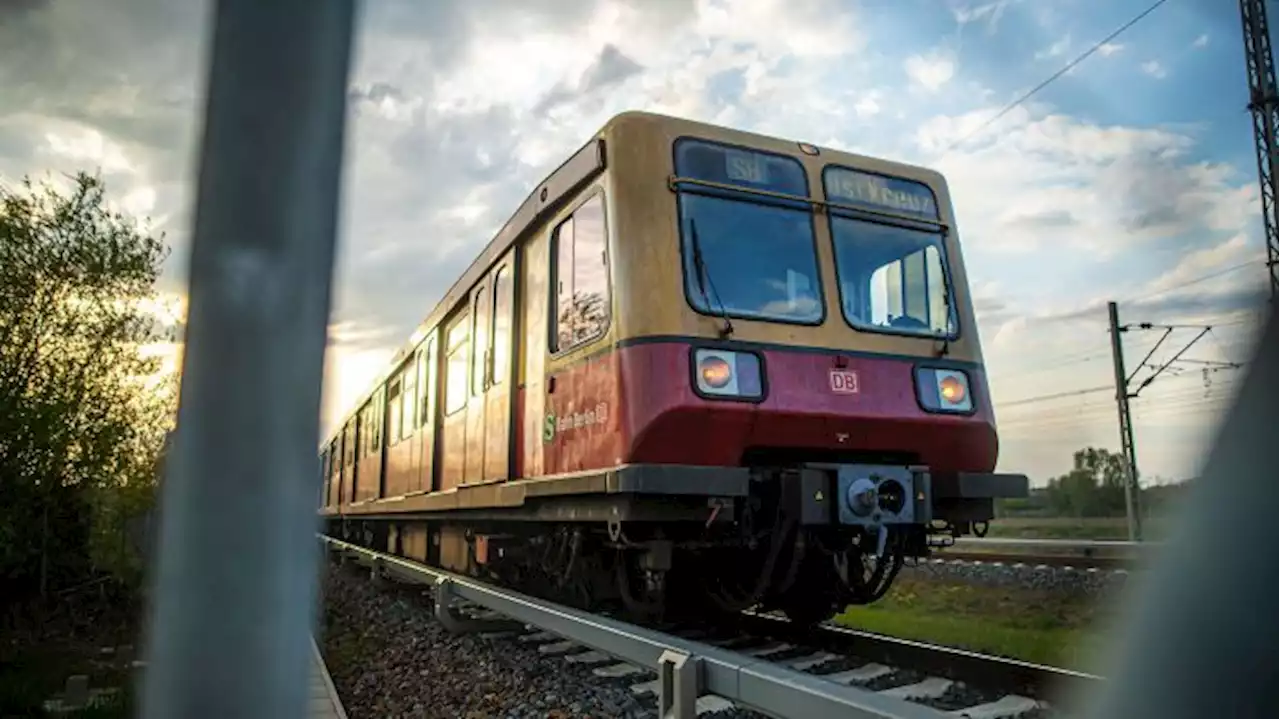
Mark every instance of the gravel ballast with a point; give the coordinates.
(389, 657)
(1070, 580)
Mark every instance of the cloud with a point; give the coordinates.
(1201, 40)
(610, 67)
(930, 73)
(1154, 69)
(89, 87)
(1057, 49)
(1079, 186)
(457, 109)
(989, 13)
(1107, 49)
(868, 105)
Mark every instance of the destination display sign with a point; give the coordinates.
(877, 192)
(742, 167)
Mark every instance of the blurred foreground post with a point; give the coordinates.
(234, 581)
(1198, 638)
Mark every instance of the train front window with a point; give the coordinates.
(891, 268)
(746, 254)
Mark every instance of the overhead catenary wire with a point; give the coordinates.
(1056, 395)
(1102, 410)
(1187, 283)
(1048, 81)
(1023, 412)
(1089, 355)
(1097, 417)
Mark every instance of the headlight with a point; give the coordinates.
(944, 390)
(723, 373)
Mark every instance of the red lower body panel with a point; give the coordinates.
(636, 405)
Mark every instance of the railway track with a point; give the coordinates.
(1050, 553)
(760, 665)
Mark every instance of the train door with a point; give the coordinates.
(499, 375)
(349, 462)
(452, 446)
(481, 306)
(428, 380)
(333, 495)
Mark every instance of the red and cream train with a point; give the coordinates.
(697, 368)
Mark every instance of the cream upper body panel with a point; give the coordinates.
(649, 291)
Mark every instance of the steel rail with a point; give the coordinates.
(982, 671)
(1052, 552)
(685, 668)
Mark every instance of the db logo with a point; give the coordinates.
(844, 381)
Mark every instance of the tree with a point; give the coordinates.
(1093, 488)
(82, 415)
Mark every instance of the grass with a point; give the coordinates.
(1032, 625)
(32, 674)
(1097, 528)
(42, 647)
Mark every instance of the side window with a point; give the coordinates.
(480, 333)
(364, 431)
(370, 431)
(427, 381)
(457, 362)
(590, 272)
(394, 411)
(349, 443)
(562, 251)
(503, 306)
(409, 396)
(581, 276)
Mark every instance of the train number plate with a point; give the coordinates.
(844, 381)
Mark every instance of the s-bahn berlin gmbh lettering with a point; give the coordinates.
(554, 426)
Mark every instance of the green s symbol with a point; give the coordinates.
(549, 428)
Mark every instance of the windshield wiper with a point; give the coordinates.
(700, 267)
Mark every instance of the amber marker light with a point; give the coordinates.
(951, 390)
(715, 372)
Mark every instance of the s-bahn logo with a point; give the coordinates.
(553, 425)
(844, 381)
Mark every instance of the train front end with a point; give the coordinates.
(819, 342)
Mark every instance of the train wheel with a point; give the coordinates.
(643, 592)
(811, 599)
(808, 610)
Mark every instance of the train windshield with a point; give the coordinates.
(892, 271)
(750, 255)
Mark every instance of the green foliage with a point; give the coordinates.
(82, 416)
(1046, 627)
(1093, 488)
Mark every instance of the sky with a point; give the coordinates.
(1131, 178)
